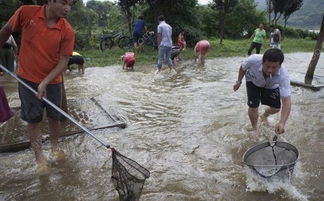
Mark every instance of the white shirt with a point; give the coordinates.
(166, 31)
(253, 67)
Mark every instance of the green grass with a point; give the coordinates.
(95, 57)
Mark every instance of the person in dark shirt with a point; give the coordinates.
(139, 28)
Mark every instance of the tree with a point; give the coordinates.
(247, 15)
(317, 52)
(126, 8)
(269, 9)
(180, 14)
(102, 10)
(292, 6)
(82, 20)
(284, 8)
(224, 7)
(208, 20)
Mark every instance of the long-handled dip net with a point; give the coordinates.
(127, 175)
(272, 158)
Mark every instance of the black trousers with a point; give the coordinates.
(257, 46)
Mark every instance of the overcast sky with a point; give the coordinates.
(199, 1)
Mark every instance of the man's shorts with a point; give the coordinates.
(32, 109)
(175, 52)
(270, 97)
(76, 59)
(136, 37)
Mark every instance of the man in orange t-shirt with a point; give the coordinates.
(47, 42)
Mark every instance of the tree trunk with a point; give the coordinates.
(129, 20)
(269, 2)
(317, 52)
(222, 25)
(286, 19)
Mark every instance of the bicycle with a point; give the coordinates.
(149, 39)
(108, 41)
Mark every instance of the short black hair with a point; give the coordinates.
(140, 17)
(273, 55)
(161, 18)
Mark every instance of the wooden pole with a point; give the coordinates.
(26, 144)
(317, 52)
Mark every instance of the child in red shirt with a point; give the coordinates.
(181, 41)
(128, 61)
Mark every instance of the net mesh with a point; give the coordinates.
(128, 177)
(269, 159)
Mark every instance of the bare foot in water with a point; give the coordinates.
(264, 118)
(255, 134)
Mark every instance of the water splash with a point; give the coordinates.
(256, 183)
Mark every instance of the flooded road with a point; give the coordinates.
(188, 129)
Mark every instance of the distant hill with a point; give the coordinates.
(308, 17)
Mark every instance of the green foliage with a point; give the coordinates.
(208, 22)
(248, 17)
(224, 5)
(180, 14)
(298, 33)
(7, 8)
(229, 48)
(102, 9)
(83, 21)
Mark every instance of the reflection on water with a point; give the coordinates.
(189, 129)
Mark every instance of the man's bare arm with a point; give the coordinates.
(5, 33)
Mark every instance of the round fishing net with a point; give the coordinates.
(128, 177)
(272, 158)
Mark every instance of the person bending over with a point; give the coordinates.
(201, 50)
(78, 59)
(267, 81)
(128, 61)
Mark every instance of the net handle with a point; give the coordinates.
(56, 108)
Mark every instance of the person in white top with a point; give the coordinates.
(275, 37)
(267, 81)
(164, 39)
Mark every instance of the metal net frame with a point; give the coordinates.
(272, 159)
(128, 177)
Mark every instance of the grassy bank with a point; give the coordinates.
(147, 55)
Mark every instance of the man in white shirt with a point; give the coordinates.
(275, 37)
(164, 39)
(267, 81)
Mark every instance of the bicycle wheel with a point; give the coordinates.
(106, 43)
(124, 42)
(151, 42)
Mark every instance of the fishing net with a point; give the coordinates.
(272, 158)
(128, 177)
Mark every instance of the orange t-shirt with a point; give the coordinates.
(41, 46)
(202, 46)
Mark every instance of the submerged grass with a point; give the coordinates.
(148, 55)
